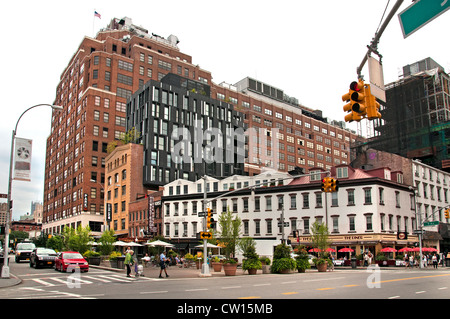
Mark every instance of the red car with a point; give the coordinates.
(71, 261)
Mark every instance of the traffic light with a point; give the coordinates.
(447, 213)
(372, 106)
(355, 98)
(326, 184)
(209, 219)
(334, 185)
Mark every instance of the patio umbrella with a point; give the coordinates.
(330, 250)
(314, 250)
(120, 243)
(208, 245)
(159, 243)
(405, 249)
(134, 244)
(388, 250)
(345, 250)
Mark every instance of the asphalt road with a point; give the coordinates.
(339, 284)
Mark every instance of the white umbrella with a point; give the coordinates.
(208, 245)
(93, 243)
(120, 243)
(132, 243)
(159, 243)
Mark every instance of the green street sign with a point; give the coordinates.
(420, 13)
(435, 223)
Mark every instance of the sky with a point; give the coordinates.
(308, 50)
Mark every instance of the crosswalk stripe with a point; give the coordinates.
(42, 282)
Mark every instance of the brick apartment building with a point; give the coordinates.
(102, 76)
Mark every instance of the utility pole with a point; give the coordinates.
(205, 267)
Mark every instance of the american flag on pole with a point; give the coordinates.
(96, 14)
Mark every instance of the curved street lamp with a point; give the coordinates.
(5, 268)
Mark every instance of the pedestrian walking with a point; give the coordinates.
(162, 264)
(435, 261)
(129, 261)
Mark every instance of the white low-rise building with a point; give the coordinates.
(367, 213)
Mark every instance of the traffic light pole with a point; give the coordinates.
(205, 267)
(374, 43)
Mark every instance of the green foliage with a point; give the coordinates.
(114, 255)
(56, 243)
(230, 231)
(319, 238)
(251, 264)
(76, 240)
(302, 263)
(107, 240)
(283, 264)
(91, 253)
(265, 260)
(282, 251)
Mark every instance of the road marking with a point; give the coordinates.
(324, 279)
(259, 285)
(231, 287)
(325, 288)
(288, 282)
(351, 286)
(42, 282)
(97, 278)
(154, 292)
(198, 289)
(250, 297)
(394, 297)
(410, 278)
(420, 292)
(442, 288)
(290, 293)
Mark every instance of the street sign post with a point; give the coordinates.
(434, 223)
(420, 13)
(205, 235)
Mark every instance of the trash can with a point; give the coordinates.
(353, 262)
(120, 262)
(447, 262)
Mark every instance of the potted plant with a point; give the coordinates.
(252, 265)
(282, 261)
(229, 233)
(251, 261)
(216, 264)
(93, 257)
(113, 258)
(189, 259)
(302, 261)
(319, 238)
(265, 263)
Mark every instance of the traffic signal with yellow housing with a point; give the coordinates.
(447, 213)
(326, 184)
(209, 219)
(372, 106)
(356, 99)
(334, 185)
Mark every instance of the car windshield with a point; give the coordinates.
(45, 251)
(72, 256)
(25, 247)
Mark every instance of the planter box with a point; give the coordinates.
(94, 261)
(230, 269)
(322, 267)
(266, 269)
(113, 263)
(252, 271)
(217, 266)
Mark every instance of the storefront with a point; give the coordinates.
(359, 243)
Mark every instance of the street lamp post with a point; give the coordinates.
(5, 268)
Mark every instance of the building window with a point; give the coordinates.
(351, 223)
(367, 196)
(369, 223)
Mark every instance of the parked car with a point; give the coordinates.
(71, 261)
(23, 251)
(42, 257)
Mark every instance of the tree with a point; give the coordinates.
(229, 233)
(131, 136)
(77, 240)
(319, 238)
(107, 240)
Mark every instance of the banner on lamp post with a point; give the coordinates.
(22, 159)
